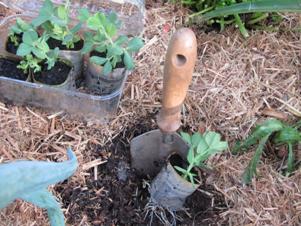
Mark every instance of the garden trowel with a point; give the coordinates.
(150, 150)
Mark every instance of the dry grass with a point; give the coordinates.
(233, 84)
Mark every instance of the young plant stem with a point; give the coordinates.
(290, 159)
(241, 26)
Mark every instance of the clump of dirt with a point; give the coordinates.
(119, 196)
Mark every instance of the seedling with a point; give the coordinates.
(18, 29)
(55, 21)
(202, 146)
(279, 134)
(103, 40)
(225, 12)
(35, 51)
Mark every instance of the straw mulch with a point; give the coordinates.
(236, 84)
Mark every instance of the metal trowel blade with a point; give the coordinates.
(150, 150)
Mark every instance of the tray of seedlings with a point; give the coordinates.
(72, 58)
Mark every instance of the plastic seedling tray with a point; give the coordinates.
(86, 106)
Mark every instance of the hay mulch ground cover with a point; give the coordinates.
(237, 83)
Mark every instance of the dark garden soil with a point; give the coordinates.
(8, 68)
(10, 46)
(53, 43)
(118, 196)
(55, 76)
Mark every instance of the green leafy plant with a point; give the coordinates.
(55, 20)
(18, 29)
(35, 51)
(225, 12)
(112, 49)
(202, 146)
(279, 134)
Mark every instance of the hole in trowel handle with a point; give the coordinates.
(180, 60)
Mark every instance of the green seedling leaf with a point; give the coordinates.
(287, 135)
(98, 60)
(190, 156)
(268, 127)
(88, 46)
(94, 22)
(114, 50)
(83, 15)
(186, 137)
(23, 50)
(128, 61)
(76, 28)
(62, 12)
(29, 37)
(251, 169)
(181, 170)
(107, 69)
(121, 40)
(290, 159)
(45, 13)
(135, 45)
(110, 29)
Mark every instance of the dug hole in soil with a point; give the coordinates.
(119, 196)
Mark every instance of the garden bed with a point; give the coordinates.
(235, 80)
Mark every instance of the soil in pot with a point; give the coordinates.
(99, 84)
(10, 46)
(8, 68)
(55, 76)
(53, 43)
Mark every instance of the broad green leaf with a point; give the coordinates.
(15, 29)
(190, 155)
(100, 37)
(196, 138)
(29, 37)
(287, 135)
(128, 61)
(88, 46)
(112, 17)
(110, 29)
(186, 137)
(107, 69)
(135, 45)
(94, 22)
(39, 53)
(98, 60)
(101, 48)
(23, 50)
(83, 15)
(202, 146)
(40, 20)
(62, 12)
(114, 50)
(250, 171)
(121, 40)
(76, 28)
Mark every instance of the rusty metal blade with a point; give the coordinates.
(150, 150)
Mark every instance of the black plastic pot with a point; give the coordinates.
(73, 55)
(11, 70)
(67, 84)
(170, 190)
(104, 84)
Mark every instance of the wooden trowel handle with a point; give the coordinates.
(179, 64)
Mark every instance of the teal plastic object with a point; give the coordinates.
(28, 180)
